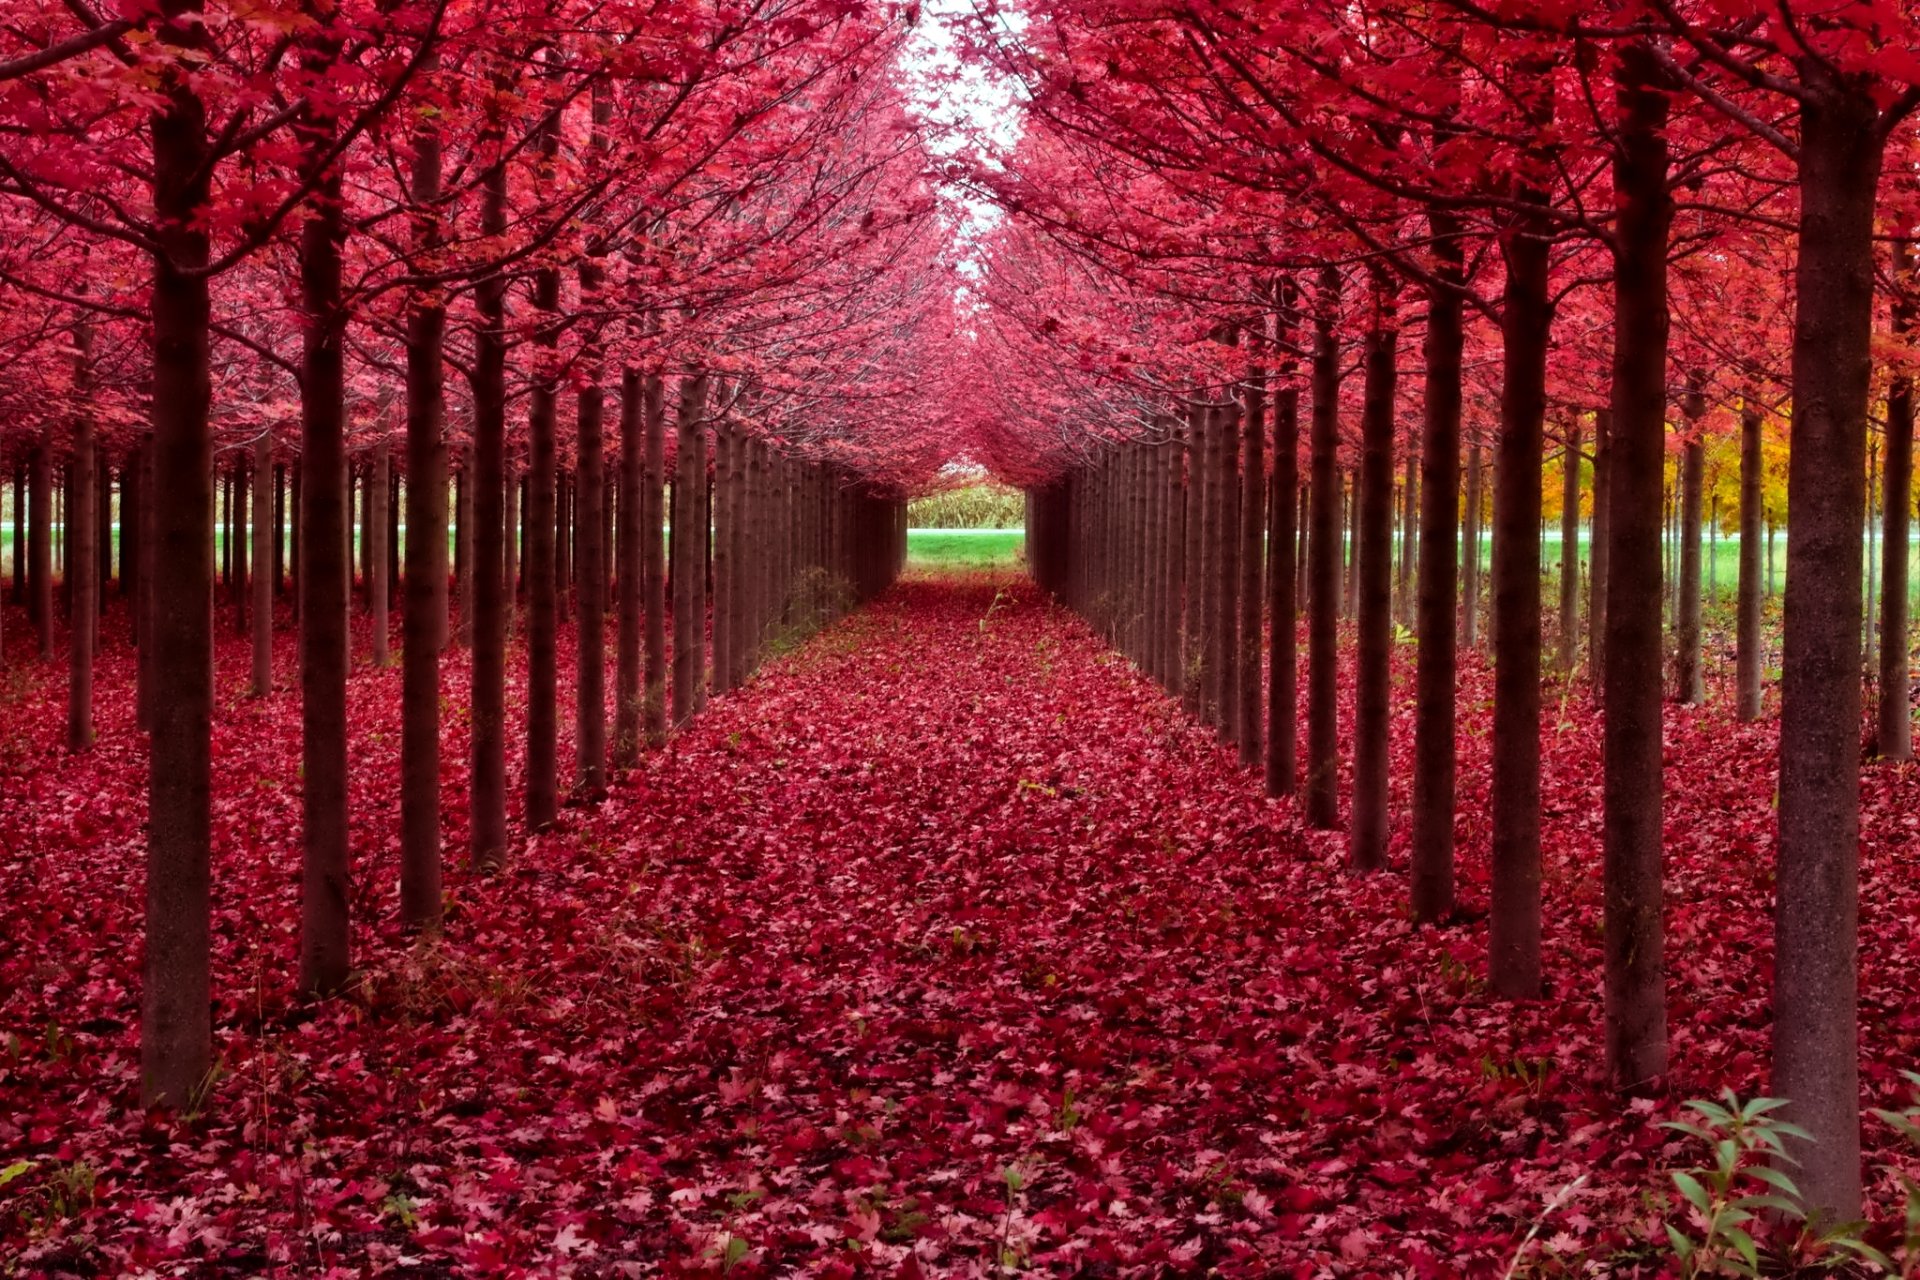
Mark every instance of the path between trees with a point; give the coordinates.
(949, 945)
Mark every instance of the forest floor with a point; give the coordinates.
(948, 947)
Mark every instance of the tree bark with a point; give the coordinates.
(689, 548)
(542, 781)
(1569, 637)
(83, 560)
(379, 592)
(1601, 528)
(1895, 717)
(1373, 655)
(1689, 685)
(324, 588)
(1282, 567)
(1513, 943)
(486, 609)
(1470, 558)
(1253, 520)
(263, 577)
(630, 606)
(1634, 932)
(590, 706)
(1434, 753)
(1748, 641)
(1816, 917)
(176, 1026)
(40, 546)
(653, 559)
(1325, 552)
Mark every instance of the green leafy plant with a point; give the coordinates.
(1744, 1191)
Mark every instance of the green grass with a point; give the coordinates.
(965, 548)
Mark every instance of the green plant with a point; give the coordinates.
(1745, 1191)
(1907, 1124)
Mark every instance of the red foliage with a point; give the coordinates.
(952, 893)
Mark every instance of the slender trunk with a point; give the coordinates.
(724, 566)
(1601, 533)
(1433, 731)
(1373, 657)
(84, 559)
(653, 559)
(1193, 650)
(485, 609)
(40, 546)
(1513, 943)
(1569, 637)
(1470, 560)
(1895, 715)
(324, 588)
(1689, 685)
(1816, 917)
(1253, 520)
(1634, 933)
(1282, 566)
(689, 548)
(544, 578)
(423, 620)
(590, 707)
(1323, 576)
(262, 571)
(379, 493)
(1747, 637)
(176, 1027)
(633, 539)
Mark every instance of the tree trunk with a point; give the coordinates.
(84, 558)
(1748, 642)
(176, 1027)
(1433, 733)
(1569, 637)
(1689, 685)
(324, 588)
(1325, 551)
(590, 705)
(1513, 942)
(263, 577)
(379, 592)
(1282, 570)
(689, 548)
(653, 559)
(543, 549)
(630, 606)
(1470, 560)
(1895, 715)
(40, 546)
(1373, 655)
(485, 610)
(1816, 918)
(724, 566)
(423, 620)
(1599, 556)
(1253, 520)
(1634, 933)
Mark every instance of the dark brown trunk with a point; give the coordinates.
(1600, 531)
(1816, 919)
(1689, 684)
(689, 549)
(324, 935)
(1634, 933)
(1323, 577)
(1569, 637)
(485, 609)
(1895, 715)
(379, 592)
(630, 606)
(84, 557)
(1470, 557)
(653, 559)
(590, 707)
(176, 1028)
(423, 620)
(1434, 755)
(1367, 844)
(724, 566)
(40, 546)
(263, 577)
(544, 548)
(1192, 650)
(1253, 520)
(1513, 943)
(1749, 643)
(1282, 566)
